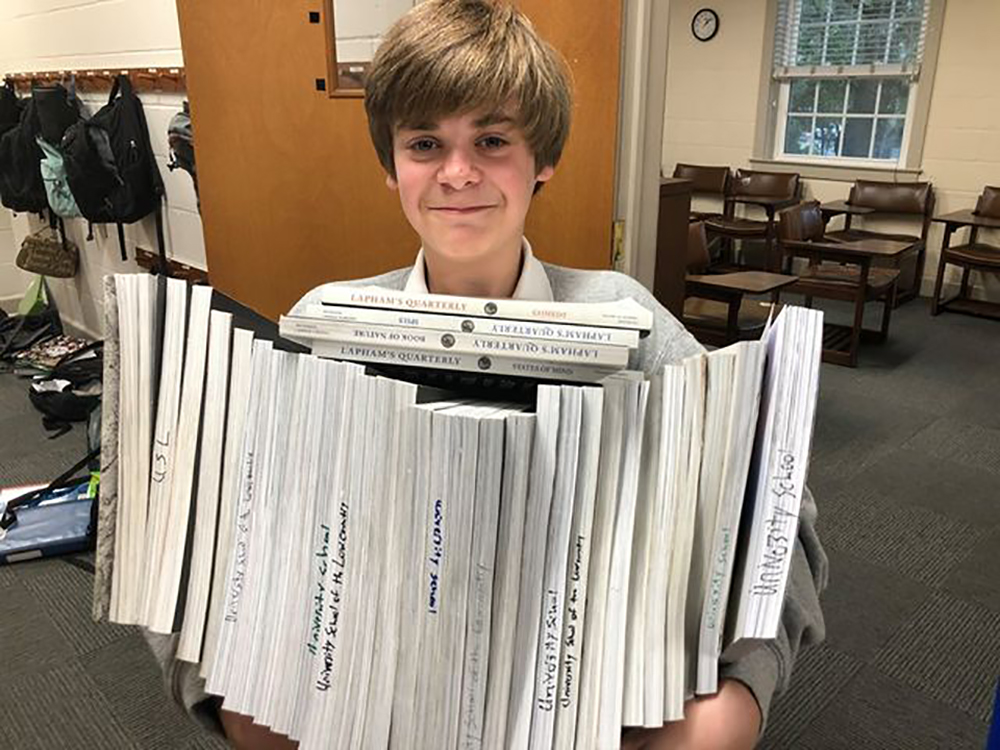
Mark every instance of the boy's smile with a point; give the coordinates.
(465, 183)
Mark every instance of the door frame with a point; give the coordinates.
(642, 109)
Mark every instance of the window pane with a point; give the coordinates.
(861, 100)
(812, 11)
(857, 136)
(895, 92)
(831, 95)
(845, 10)
(912, 9)
(888, 137)
(904, 42)
(810, 47)
(872, 43)
(876, 9)
(840, 44)
(798, 135)
(802, 97)
(826, 136)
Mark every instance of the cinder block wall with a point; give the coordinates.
(43, 35)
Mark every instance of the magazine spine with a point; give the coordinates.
(566, 332)
(619, 314)
(465, 343)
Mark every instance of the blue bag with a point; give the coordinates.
(48, 520)
(57, 190)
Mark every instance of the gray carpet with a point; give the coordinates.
(906, 472)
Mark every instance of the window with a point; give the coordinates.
(847, 72)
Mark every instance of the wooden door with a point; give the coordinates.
(292, 193)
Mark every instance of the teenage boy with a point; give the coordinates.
(468, 110)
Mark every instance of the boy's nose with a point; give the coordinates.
(458, 170)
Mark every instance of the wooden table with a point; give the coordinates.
(967, 218)
(840, 342)
(712, 325)
(961, 302)
(836, 208)
(749, 282)
(768, 203)
(874, 248)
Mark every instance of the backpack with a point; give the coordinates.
(72, 390)
(57, 109)
(56, 187)
(21, 185)
(180, 137)
(52, 520)
(110, 166)
(10, 108)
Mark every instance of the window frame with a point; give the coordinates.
(772, 113)
(781, 123)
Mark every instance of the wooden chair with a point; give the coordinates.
(717, 310)
(970, 256)
(839, 270)
(907, 201)
(770, 191)
(707, 182)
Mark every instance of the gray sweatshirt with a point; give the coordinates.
(767, 668)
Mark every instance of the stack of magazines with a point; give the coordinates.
(570, 341)
(357, 560)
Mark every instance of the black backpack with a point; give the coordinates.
(10, 108)
(72, 390)
(57, 109)
(110, 166)
(21, 184)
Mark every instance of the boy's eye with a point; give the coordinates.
(492, 142)
(423, 145)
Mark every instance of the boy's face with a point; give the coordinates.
(465, 183)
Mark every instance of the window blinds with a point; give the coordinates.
(843, 38)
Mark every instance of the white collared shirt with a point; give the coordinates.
(532, 285)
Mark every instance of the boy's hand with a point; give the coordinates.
(728, 720)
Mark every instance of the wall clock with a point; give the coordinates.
(705, 24)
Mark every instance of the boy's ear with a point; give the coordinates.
(390, 182)
(546, 174)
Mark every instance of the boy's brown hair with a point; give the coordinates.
(451, 57)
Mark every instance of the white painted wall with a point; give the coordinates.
(713, 90)
(712, 86)
(13, 281)
(44, 35)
